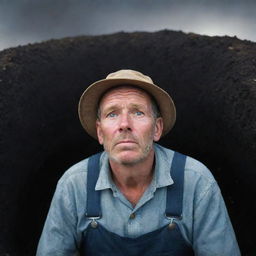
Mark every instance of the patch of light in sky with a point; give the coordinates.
(23, 22)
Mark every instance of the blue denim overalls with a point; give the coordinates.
(166, 241)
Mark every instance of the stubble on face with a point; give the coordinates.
(128, 161)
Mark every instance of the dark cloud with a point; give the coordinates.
(24, 21)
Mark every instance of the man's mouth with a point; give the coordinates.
(125, 142)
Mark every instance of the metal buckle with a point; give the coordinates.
(93, 218)
(172, 225)
(94, 223)
(173, 217)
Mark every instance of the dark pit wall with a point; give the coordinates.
(212, 81)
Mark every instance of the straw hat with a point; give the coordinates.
(88, 104)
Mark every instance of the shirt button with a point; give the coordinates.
(132, 216)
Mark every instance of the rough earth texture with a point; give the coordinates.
(211, 79)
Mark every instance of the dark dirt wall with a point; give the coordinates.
(212, 80)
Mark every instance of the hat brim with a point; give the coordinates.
(88, 104)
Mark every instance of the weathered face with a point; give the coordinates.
(126, 126)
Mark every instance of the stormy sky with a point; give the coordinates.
(28, 21)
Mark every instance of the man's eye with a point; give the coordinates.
(111, 115)
(139, 113)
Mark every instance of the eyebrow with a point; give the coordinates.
(138, 106)
(115, 106)
(109, 109)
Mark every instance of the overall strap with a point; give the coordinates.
(174, 197)
(93, 196)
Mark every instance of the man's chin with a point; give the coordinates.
(127, 158)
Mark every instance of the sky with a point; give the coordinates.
(29, 21)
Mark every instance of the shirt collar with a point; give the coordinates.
(161, 178)
(104, 180)
(162, 166)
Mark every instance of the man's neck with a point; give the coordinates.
(133, 180)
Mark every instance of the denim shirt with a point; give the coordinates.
(205, 223)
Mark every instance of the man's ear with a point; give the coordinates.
(158, 129)
(99, 132)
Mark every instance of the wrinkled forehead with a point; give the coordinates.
(125, 88)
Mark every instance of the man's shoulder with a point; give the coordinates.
(76, 171)
(193, 167)
(198, 179)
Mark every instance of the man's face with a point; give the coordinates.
(126, 126)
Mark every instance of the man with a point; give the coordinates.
(136, 198)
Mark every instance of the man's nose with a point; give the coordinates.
(125, 123)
